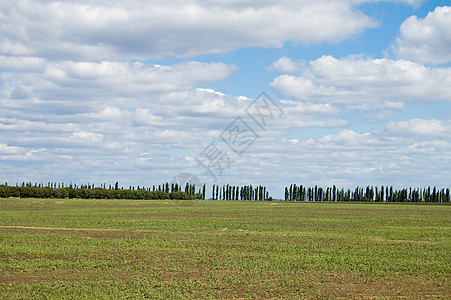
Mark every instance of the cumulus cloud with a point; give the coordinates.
(286, 65)
(136, 76)
(98, 30)
(66, 87)
(27, 64)
(5, 149)
(420, 128)
(366, 82)
(426, 40)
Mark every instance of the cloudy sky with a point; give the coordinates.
(356, 92)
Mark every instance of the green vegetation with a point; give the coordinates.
(51, 190)
(370, 194)
(247, 192)
(167, 249)
(165, 191)
(226, 192)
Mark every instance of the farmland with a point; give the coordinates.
(177, 249)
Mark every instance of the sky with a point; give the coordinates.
(327, 92)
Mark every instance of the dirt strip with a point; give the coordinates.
(61, 228)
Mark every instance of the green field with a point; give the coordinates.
(115, 249)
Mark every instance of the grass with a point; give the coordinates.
(115, 249)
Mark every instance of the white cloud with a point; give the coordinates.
(98, 30)
(63, 88)
(5, 149)
(420, 128)
(296, 107)
(132, 76)
(366, 82)
(426, 40)
(286, 65)
(82, 136)
(27, 64)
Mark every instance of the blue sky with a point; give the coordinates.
(136, 92)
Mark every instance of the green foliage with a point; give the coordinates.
(90, 193)
(228, 192)
(370, 194)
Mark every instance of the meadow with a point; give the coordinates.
(177, 249)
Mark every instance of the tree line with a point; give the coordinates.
(369, 194)
(225, 192)
(90, 191)
(247, 192)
